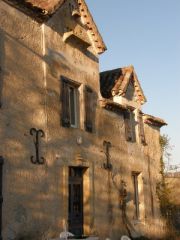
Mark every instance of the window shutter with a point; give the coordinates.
(128, 127)
(141, 129)
(65, 105)
(89, 109)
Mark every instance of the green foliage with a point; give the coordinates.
(162, 188)
(166, 148)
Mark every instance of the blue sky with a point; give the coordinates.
(146, 34)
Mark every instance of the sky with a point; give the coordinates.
(146, 34)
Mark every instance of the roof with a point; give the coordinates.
(155, 121)
(39, 9)
(92, 28)
(42, 10)
(116, 81)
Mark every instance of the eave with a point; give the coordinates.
(92, 28)
(154, 121)
(112, 106)
(41, 11)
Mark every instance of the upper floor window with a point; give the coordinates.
(76, 102)
(70, 103)
(129, 120)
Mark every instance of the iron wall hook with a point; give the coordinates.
(37, 133)
(107, 165)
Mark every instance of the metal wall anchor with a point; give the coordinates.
(107, 165)
(37, 134)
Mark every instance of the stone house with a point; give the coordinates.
(76, 149)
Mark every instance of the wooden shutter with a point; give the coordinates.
(141, 129)
(128, 125)
(65, 105)
(89, 109)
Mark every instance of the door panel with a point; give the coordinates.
(76, 200)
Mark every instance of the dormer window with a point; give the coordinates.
(129, 120)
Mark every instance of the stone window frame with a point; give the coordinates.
(66, 113)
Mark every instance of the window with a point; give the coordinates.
(71, 97)
(135, 177)
(70, 103)
(129, 121)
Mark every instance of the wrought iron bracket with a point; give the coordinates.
(37, 133)
(107, 165)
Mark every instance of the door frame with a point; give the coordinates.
(80, 181)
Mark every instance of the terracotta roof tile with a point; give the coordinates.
(48, 6)
(108, 80)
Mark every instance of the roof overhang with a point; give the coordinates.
(154, 121)
(113, 106)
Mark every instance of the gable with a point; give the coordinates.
(116, 83)
(42, 11)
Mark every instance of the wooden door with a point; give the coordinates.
(75, 219)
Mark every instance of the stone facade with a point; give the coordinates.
(35, 57)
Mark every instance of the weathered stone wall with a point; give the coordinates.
(126, 158)
(23, 107)
(33, 59)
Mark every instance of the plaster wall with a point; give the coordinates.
(25, 186)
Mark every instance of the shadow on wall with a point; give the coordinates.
(68, 24)
(32, 193)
